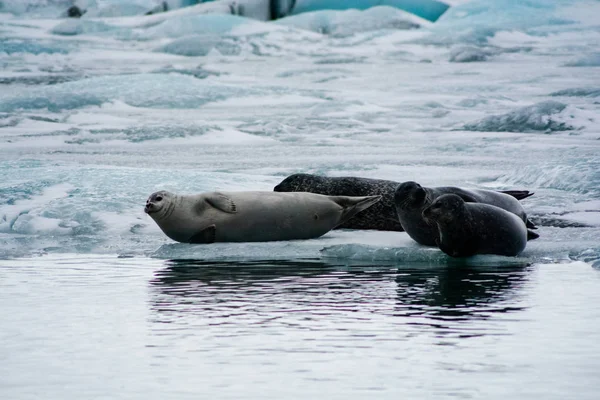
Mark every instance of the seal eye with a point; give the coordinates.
(158, 198)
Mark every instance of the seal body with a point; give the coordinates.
(251, 216)
(411, 199)
(465, 229)
(381, 216)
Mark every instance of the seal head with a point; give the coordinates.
(158, 204)
(444, 209)
(295, 183)
(410, 195)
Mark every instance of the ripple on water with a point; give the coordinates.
(448, 303)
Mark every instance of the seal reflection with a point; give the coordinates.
(443, 301)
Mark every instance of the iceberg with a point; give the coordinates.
(345, 23)
(430, 10)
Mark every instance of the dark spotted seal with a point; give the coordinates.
(381, 216)
(251, 216)
(465, 229)
(411, 199)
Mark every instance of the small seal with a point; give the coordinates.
(466, 229)
(381, 216)
(251, 216)
(411, 199)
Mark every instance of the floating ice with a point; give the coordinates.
(428, 9)
(411, 255)
(141, 90)
(545, 117)
(469, 54)
(152, 124)
(578, 92)
(581, 176)
(197, 72)
(26, 215)
(47, 8)
(11, 46)
(345, 23)
(551, 246)
(476, 21)
(215, 24)
(588, 61)
(73, 27)
(201, 45)
(120, 8)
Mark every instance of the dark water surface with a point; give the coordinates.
(109, 328)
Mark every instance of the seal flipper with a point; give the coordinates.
(530, 224)
(205, 236)
(354, 205)
(531, 235)
(221, 202)
(518, 194)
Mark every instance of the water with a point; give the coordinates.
(132, 328)
(97, 113)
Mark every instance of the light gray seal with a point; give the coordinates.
(251, 216)
(465, 229)
(411, 199)
(381, 216)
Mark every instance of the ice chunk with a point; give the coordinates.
(476, 21)
(430, 10)
(23, 215)
(544, 116)
(141, 90)
(293, 249)
(586, 218)
(412, 254)
(201, 45)
(73, 27)
(10, 46)
(345, 23)
(216, 24)
(119, 8)
(578, 92)
(581, 245)
(37, 8)
(468, 54)
(573, 176)
(587, 61)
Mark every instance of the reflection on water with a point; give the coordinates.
(445, 301)
(135, 328)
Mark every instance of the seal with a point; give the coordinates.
(411, 199)
(251, 216)
(465, 229)
(381, 216)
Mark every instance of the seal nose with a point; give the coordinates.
(148, 207)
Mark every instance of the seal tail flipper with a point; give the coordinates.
(205, 236)
(518, 194)
(531, 235)
(354, 205)
(530, 224)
